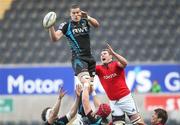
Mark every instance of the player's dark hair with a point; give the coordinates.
(161, 113)
(43, 114)
(74, 6)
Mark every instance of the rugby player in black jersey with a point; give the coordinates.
(77, 31)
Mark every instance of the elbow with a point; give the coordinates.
(125, 64)
(54, 39)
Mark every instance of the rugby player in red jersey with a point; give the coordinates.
(112, 77)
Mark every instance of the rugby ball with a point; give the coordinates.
(49, 19)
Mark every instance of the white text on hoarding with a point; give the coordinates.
(33, 86)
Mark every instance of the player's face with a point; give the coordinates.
(75, 14)
(105, 57)
(154, 119)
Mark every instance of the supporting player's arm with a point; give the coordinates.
(95, 98)
(90, 19)
(87, 107)
(74, 108)
(85, 99)
(56, 107)
(122, 61)
(55, 35)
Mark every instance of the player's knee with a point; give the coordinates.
(136, 119)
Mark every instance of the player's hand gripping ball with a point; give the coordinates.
(49, 20)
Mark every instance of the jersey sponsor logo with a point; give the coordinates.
(140, 78)
(80, 30)
(110, 76)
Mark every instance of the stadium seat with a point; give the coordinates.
(143, 31)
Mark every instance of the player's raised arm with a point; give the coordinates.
(48, 23)
(85, 99)
(74, 108)
(55, 109)
(90, 19)
(96, 100)
(55, 35)
(122, 61)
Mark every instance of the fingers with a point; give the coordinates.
(84, 14)
(108, 46)
(82, 11)
(62, 92)
(78, 89)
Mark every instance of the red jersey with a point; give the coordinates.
(112, 78)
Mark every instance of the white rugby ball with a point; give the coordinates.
(49, 19)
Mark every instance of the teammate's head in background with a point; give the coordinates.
(159, 117)
(75, 13)
(106, 56)
(45, 113)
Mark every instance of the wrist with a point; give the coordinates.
(89, 17)
(59, 98)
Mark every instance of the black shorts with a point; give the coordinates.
(84, 64)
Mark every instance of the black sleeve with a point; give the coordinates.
(94, 119)
(62, 121)
(63, 27)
